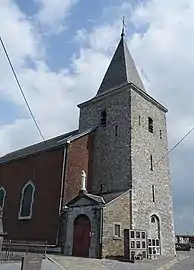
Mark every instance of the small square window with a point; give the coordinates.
(137, 234)
(132, 244)
(144, 254)
(138, 245)
(143, 235)
(143, 244)
(132, 234)
(117, 230)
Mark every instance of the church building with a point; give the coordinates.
(98, 191)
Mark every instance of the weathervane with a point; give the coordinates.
(123, 28)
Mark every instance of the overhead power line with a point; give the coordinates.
(21, 90)
(175, 146)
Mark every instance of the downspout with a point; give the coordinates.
(101, 232)
(63, 175)
(64, 170)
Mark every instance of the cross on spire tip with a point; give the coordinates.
(123, 27)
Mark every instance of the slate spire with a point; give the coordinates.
(122, 70)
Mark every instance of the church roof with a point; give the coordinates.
(121, 71)
(42, 146)
(109, 197)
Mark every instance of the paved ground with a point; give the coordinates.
(47, 265)
(185, 261)
(71, 263)
(187, 264)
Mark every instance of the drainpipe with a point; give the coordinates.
(63, 182)
(64, 170)
(101, 232)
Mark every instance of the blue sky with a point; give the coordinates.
(61, 49)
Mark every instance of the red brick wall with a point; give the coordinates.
(44, 169)
(79, 158)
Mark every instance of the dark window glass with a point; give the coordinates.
(153, 220)
(153, 193)
(137, 234)
(160, 134)
(149, 242)
(116, 130)
(157, 242)
(144, 254)
(103, 119)
(27, 201)
(132, 234)
(150, 125)
(138, 244)
(150, 250)
(153, 242)
(132, 244)
(2, 196)
(143, 235)
(143, 244)
(151, 162)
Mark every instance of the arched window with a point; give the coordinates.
(150, 125)
(2, 197)
(27, 200)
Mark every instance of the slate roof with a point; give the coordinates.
(42, 146)
(122, 70)
(108, 197)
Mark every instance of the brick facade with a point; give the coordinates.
(44, 169)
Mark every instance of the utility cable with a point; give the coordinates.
(175, 146)
(21, 90)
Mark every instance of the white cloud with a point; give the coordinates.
(164, 51)
(52, 13)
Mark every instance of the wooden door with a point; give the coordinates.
(81, 237)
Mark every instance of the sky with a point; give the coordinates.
(61, 49)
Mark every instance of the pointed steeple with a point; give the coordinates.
(122, 70)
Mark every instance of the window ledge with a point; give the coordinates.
(116, 237)
(24, 218)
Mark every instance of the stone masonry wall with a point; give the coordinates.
(144, 144)
(117, 211)
(111, 143)
(93, 213)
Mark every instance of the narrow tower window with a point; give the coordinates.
(160, 134)
(139, 120)
(116, 130)
(151, 162)
(103, 119)
(153, 193)
(150, 125)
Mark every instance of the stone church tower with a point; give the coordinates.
(130, 139)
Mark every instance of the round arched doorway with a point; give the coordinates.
(81, 237)
(154, 237)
